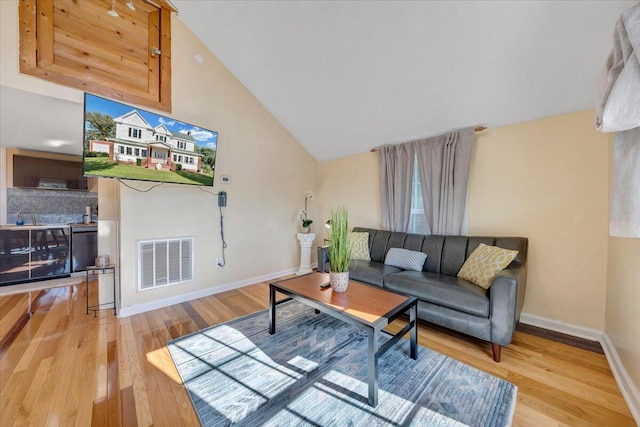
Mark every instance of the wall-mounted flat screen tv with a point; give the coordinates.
(121, 141)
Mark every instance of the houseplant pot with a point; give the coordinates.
(339, 250)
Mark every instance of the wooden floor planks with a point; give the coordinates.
(59, 366)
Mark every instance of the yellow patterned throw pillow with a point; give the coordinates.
(359, 243)
(484, 263)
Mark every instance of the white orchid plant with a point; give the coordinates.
(302, 213)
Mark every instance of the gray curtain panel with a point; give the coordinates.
(396, 173)
(443, 162)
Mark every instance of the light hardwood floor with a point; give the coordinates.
(61, 367)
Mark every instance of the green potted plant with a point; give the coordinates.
(339, 250)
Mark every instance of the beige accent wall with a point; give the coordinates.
(546, 180)
(623, 303)
(354, 183)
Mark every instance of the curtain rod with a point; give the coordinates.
(476, 129)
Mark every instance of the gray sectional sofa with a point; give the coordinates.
(444, 299)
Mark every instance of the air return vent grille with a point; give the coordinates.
(164, 262)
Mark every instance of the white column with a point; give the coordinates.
(306, 239)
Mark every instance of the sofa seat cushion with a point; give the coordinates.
(445, 291)
(370, 272)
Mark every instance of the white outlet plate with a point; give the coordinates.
(225, 179)
(219, 262)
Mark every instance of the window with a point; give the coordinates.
(137, 151)
(175, 158)
(417, 222)
(162, 138)
(144, 153)
(129, 151)
(121, 149)
(135, 133)
(190, 160)
(182, 145)
(179, 158)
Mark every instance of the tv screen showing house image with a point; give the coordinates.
(121, 141)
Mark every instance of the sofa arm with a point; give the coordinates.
(506, 296)
(323, 257)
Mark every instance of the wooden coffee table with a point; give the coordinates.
(364, 306)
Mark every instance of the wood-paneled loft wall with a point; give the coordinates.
(80, 44)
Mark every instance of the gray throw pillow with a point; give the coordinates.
(405, 259)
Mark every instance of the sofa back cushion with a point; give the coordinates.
(379, 245)
(396, 240)
(454, 253)
(445, 254)
(432, 246)
(413, 242)
(519, 244)
(474, 242)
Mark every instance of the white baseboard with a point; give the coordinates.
(627, 387)
(177, 299)
(563, 328)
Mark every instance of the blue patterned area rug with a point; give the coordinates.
(313, 372)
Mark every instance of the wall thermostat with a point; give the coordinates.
(225, 179)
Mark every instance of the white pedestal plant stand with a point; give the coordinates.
(306, 240)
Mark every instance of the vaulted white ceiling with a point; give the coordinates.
(346, 76)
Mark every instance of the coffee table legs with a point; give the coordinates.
(272, 310)
(414, 331)
(373, 367)
(375, 351)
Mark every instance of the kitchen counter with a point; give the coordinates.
(31, 227)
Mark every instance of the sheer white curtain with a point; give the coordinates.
(396, 172)
(443, 163)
